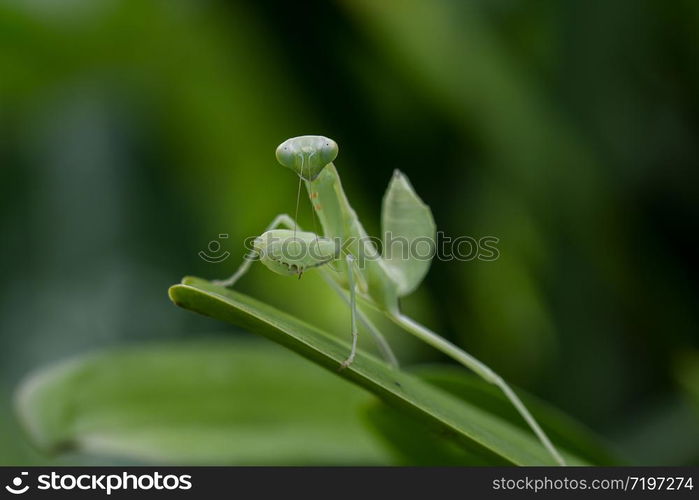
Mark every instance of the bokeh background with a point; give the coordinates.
(133, 133)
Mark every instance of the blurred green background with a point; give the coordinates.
(133, 133)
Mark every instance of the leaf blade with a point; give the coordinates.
(197, 403)
(480, 432)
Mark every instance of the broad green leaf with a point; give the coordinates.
(484, 434)
(563, 430)
(409, 234)
(198, 403)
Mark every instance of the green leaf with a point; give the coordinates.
(198, 403)
(484, 434)
(562, 429)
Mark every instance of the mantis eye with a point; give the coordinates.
(328, 151)
(286, 155)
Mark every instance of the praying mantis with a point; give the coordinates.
(350, 262)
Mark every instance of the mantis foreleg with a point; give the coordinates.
(285, 220)
(281, 220)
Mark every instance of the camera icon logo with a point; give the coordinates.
(16, 487)
(214, 247)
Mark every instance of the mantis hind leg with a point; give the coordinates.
(483, 371)
(281, 220)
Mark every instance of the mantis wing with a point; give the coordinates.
(409, 234)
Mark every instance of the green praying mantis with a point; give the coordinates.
(351, 263)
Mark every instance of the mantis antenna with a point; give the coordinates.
(298, 197)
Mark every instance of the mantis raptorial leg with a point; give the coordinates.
(285, 220)
(383, 278)
(281, 220)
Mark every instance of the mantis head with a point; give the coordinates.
(307, 155)
(290, 253)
